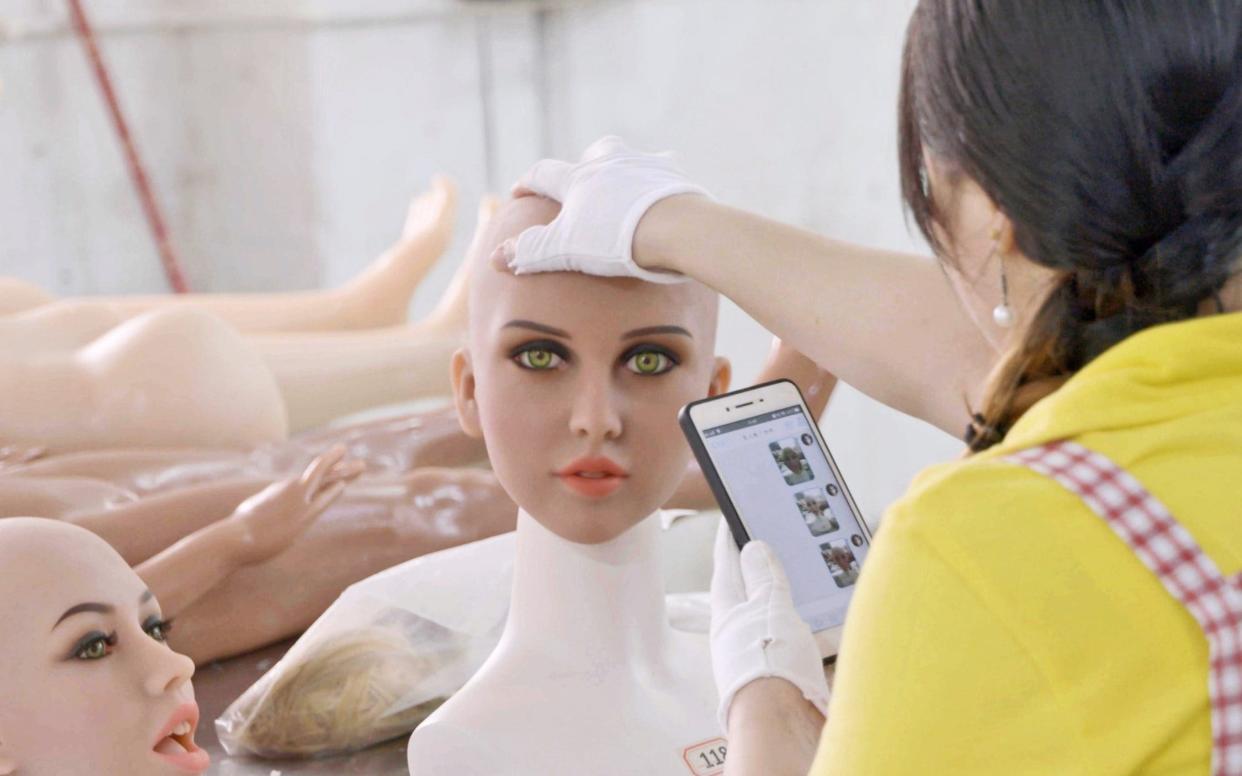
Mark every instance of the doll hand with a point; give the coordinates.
(756, 631)
(268, 522)
(602, 198)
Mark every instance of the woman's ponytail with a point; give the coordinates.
(1110, 134)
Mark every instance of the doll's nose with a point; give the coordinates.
(596, 413)
(166, 670)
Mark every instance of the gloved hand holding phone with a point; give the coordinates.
(756, 632)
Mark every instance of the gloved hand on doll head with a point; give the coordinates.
(88, 685)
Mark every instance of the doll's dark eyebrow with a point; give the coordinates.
(539, 327)
(92, 606)
(86, 607)
(650, 330)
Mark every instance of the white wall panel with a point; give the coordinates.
(392, 107)
(66, 209)
(221, 123)
(286, 138)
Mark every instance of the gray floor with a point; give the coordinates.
(219, 684)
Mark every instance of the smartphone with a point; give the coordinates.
(762, 454)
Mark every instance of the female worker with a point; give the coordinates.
(1066, 599)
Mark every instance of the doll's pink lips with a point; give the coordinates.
(593, 477)
(178, 748)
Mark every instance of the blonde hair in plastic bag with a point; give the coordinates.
(340, 696)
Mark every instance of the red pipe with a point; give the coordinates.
(137, 173)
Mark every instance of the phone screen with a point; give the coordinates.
(782, 487)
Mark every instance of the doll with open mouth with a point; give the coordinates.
(88, 684)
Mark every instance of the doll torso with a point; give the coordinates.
(588, 677)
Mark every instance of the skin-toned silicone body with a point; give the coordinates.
(144, 501)
(93, 373)
(377, 297)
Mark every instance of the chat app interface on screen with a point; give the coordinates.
(787, 495)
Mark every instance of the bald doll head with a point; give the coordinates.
(574, 383)
(88, 685)
(514, 216)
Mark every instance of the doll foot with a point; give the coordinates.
(380, 296)
(449, 316)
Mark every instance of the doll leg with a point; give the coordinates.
(449, 316)
(378, 297)
(18, 296)
(54, 328)
(325, 375)
(364, 533)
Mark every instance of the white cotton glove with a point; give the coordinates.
(602, 198)
(756, 631)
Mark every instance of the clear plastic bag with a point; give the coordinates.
(394, 646)
(381, 659)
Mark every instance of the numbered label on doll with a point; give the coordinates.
(707, 758)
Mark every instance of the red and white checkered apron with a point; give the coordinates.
(1169, 551)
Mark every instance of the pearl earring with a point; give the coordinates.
(1002, 313)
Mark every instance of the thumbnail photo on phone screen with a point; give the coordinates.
(780, 482)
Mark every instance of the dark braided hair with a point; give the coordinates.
(1109, 132)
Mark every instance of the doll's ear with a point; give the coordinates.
(461, 371)
(722, 375)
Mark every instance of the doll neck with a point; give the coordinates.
(588, 604)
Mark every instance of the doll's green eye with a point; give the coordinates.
(650, 362)
(96, 648)
(538, 359)
(158, 629)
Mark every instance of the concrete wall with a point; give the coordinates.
(285, 137)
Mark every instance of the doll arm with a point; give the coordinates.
(261, 527)
(368, 530)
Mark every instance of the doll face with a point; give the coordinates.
(88, 685)
(574, 382)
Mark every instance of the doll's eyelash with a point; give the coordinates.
(562, 352)
(154, 621)
(638, 350)
(109, 640)
(554, 348)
